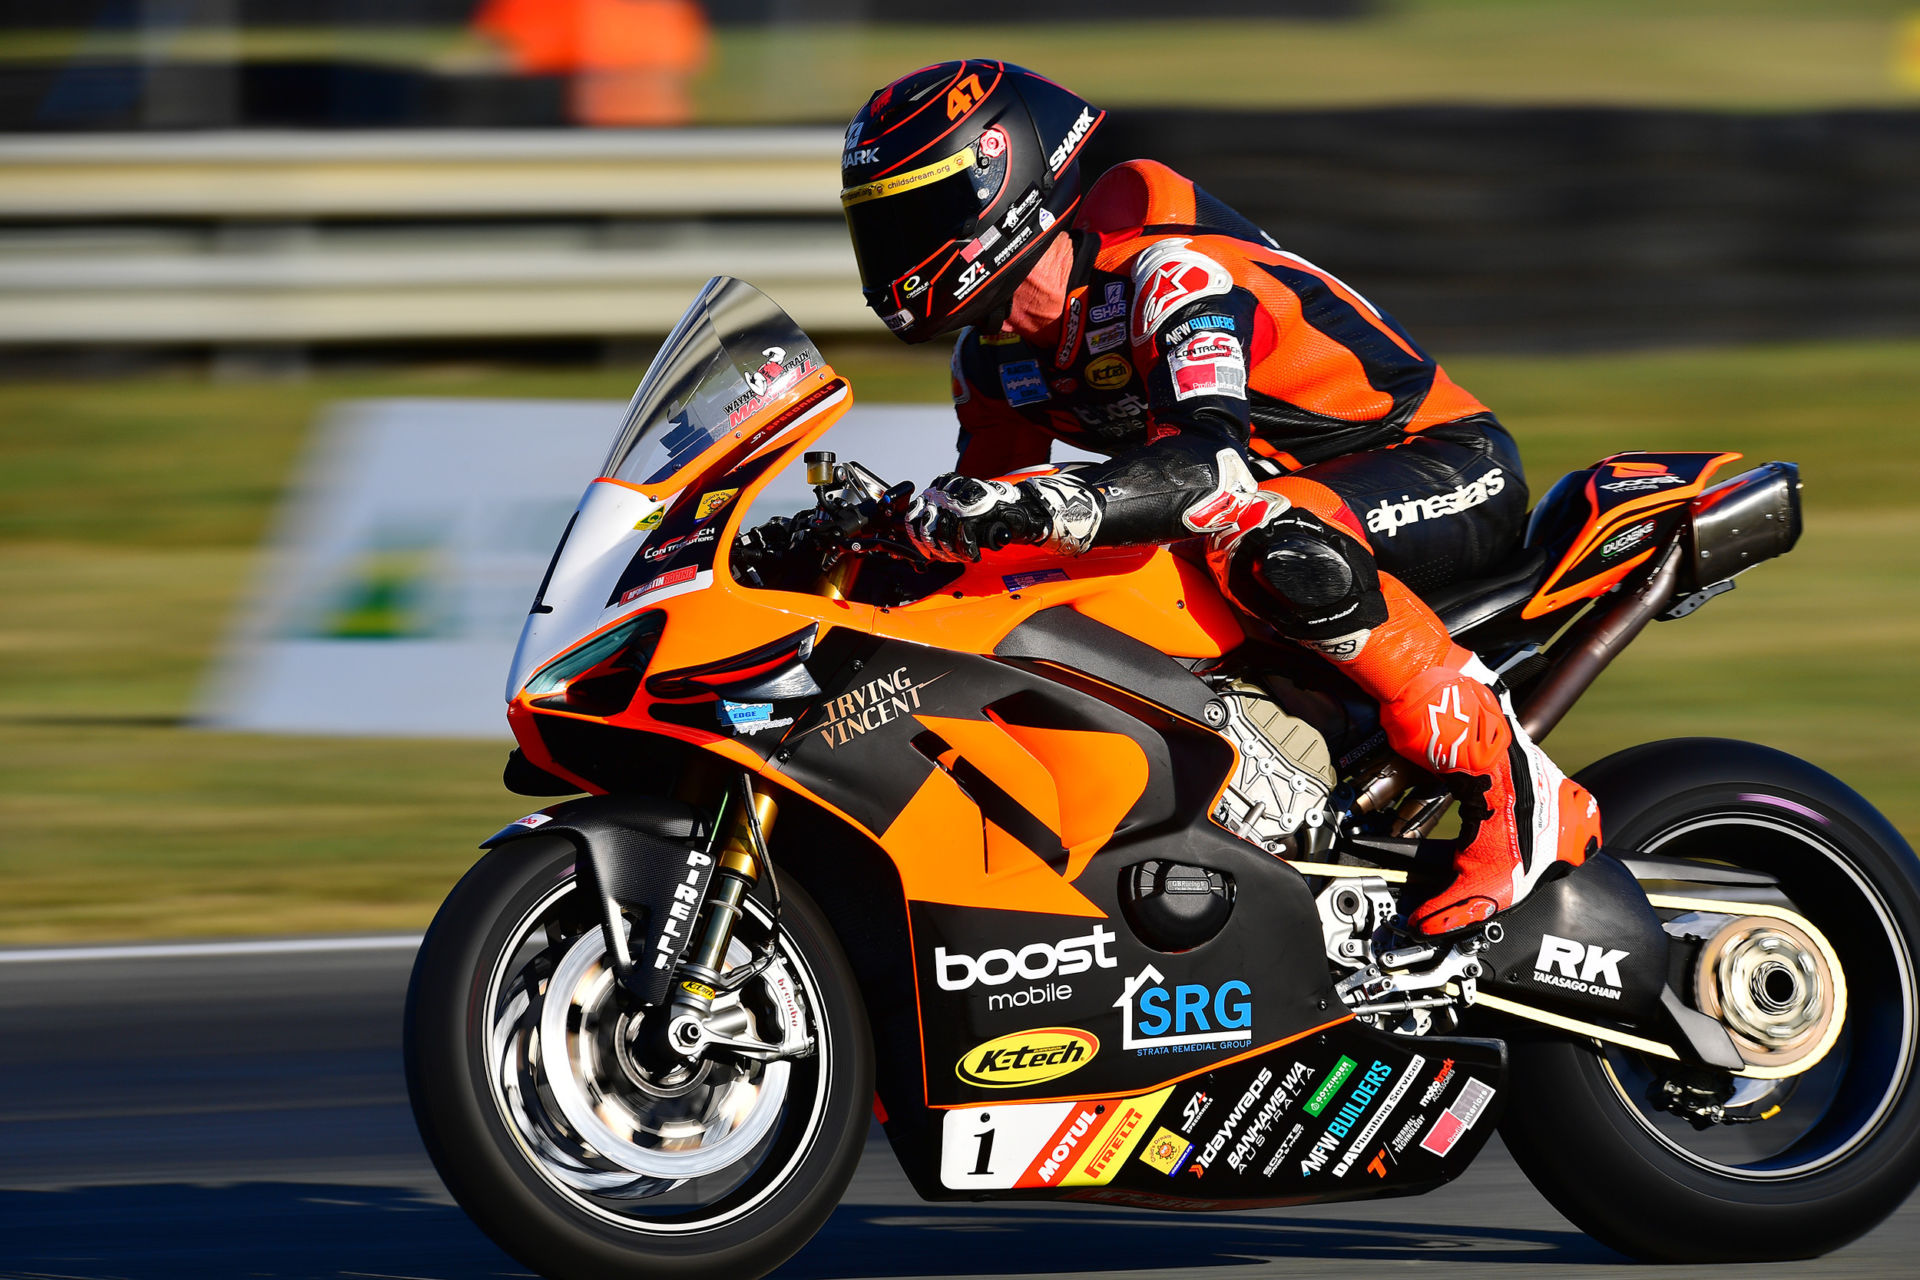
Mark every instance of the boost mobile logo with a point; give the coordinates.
(996, 968)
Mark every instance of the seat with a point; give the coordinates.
(1476, 601)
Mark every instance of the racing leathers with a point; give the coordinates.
(1241, 393)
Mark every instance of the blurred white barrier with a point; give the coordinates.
(408, 236)
(412, 544)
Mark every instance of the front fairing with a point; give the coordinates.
(735, 383)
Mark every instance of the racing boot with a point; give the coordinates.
(1521, 814)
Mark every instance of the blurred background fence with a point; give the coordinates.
(1483, 227)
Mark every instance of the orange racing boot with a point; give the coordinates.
(1522, 814)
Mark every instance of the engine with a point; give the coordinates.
(1277, 797)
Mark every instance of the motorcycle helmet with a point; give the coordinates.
(955, 180)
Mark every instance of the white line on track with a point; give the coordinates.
(182, 950)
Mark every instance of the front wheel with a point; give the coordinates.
(1791, 1166)
(546, 1122)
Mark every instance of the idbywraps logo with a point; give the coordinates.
(1027, 1057)
(1183, 1018)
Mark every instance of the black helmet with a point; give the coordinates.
(956, 178)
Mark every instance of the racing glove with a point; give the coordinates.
(956, 516)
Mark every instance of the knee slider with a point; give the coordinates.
(1324, 581)
(1307, 571)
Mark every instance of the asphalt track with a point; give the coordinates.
(237, 1116)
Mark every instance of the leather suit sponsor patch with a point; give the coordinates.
(1390, 517)
(1167, 277)
(1020, 380)
(1208, 364)
(1108, 373)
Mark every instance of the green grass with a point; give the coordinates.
(1712, 53)
(130, 512)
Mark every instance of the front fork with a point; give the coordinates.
(747, 816)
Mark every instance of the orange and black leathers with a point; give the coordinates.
(1326, 372)
(1191, 341)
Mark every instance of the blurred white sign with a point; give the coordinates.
(412, 544)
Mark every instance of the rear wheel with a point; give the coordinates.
(535, 1097)
(1813, 1159)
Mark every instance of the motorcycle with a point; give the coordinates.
(1085, 885)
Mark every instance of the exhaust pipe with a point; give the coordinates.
(1739, 522)
(1733, 526)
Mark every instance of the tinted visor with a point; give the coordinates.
(898, 222)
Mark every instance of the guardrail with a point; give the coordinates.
(290, 238)
(1476, 226)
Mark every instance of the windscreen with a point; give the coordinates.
(732, 352)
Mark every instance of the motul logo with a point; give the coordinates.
(1579, 966)
(1069, 1143)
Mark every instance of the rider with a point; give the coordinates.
(1238, 391)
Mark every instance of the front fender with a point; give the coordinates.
(647, 854)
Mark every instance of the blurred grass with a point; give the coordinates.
(1749, 54)
(130, 512)
(1701, 53)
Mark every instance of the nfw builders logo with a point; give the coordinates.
(1358, 1107)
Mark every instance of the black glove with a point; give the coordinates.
(955, 516)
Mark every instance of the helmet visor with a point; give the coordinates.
(899, 222)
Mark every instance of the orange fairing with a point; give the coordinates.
(1616, 502)
(1078, 784)
(1150, 593)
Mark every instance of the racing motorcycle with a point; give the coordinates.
(1085, 886)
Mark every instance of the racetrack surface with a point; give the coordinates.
(232, 1116)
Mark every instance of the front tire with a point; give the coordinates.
(575, 1198)
(1844, 1149)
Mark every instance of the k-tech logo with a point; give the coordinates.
(957, 971)
(1584, 967)
(1185, 1018)
(1027, 1057)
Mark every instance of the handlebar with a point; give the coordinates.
(1009, 526)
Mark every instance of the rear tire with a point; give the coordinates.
(453, 1043)
(1572, 1126)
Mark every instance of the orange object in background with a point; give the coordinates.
(631, 61)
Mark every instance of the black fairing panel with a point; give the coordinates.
(1560, 516)
(993, 976)
(1587, 944)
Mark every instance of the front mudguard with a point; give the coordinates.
(648, 854)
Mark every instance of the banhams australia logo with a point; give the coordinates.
(1027, 1057)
